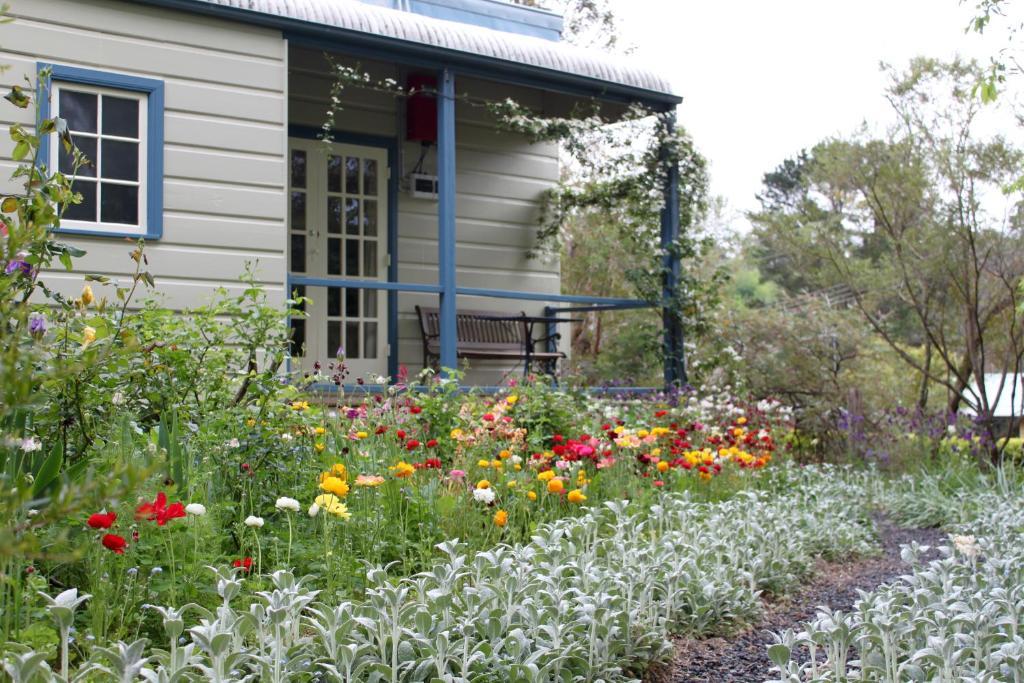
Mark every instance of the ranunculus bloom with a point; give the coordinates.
(245, 564)
(285, 503)
(555, 486)
(102, 520)
(197, 509)
(254, 522)
(158, 511)
(114, 543)
(500, 518)
(457, 474)
(576, 496)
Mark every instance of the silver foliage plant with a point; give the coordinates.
(592, 598)
(956, 618)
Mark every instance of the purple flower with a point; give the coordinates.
(37, 325)
(18, 264)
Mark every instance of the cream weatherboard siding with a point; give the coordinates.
(499, 181)
(225, 131)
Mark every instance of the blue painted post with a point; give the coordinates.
(446, 216)
(675, 361)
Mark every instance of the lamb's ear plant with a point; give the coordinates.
(62, 610)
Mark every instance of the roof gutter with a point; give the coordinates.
(374, 46)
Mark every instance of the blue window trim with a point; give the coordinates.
(154, 89)
(391, 145)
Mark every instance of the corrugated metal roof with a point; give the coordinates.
(351, 15)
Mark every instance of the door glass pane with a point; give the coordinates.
(351, 257)
(369, 340)
(66, 162)
(351, 303)
(333, 174)
(370, 258)
(334, 338)
(334, 256)
(298, 210)
(79, 110)
(352, 217)
(297, 344)
(352, 340)
(369, 217)
(298, 168)
(370, 176)
(120, 160)
(119, 204)
(352, 175)
(334, 215)
(120, 117)
(369, 303)
(86, 211)
(334, 302)
(298, 253)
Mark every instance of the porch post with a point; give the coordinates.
(675, 360)
(446, 216)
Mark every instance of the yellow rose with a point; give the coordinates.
(88, 335)
(87, 297)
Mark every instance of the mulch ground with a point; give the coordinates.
(743, 656)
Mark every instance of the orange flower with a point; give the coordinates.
(576, 496)
(403, 469)
(663, 466)
(555, 486)
(500, 518)
(483, 484)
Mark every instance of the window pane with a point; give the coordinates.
(334, 302)
(334, 257)
(298, 168)
(351, 303)
(120, 117)
(352, 175)
(298, 253)
(86, 211)
(369, 303)
(119, 204)
(334, 215)
(300, 292)
(352, 216)
(370, 258)
(369, 217)
(79, 110)
(352, 340)
(369, 176)
(370, 340)
(66, 162)
(333, 338)
(120, 160)
(297, 343)
(298, 210)
(352, 257)
(334, 174)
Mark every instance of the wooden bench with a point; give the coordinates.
(479, 337)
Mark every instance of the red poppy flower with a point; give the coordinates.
(381, 429)
(158, 511)
(400, 433)
(102, 520)
(432, 443)
(412, 444)
(661, 413)
(245, 564)
(488, 417)
(415, 410)
(114, 544)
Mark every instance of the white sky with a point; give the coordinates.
(762, 79)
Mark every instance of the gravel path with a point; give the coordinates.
(743, 657)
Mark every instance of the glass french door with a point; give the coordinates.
(337, 227)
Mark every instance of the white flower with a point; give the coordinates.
(314, 510)
(483, 495)
(31, 444)
(254, 521)
(197, 509)
(286, 437)
(234, 443)
(967, 546)
(951, 430)
(285, 503)
(117, 399)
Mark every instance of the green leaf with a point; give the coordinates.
(49, 471)
(21, 151)
(17, 97)
(65, 259)
(9, 205)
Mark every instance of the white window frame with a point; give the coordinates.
(98, 226)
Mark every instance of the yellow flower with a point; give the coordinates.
(87, 297)
(496, 464)
(251, 422)
(88, 335)
(663, 466)
(319, 431)
(512, 484)
(656, 452)
(505, 455)
(576, 496)
(511, 400)
(642, 433)
(483, 484)
(555, 486)
(500, 518)
(483, 463)
(741, 421)
(456, 433)
(340, 471)
(369, 480)
(300, 405)
(319, 447)
(403, 469)
(361, 435)
(546, 475)
(531, 495)
(334, 485)
(517, 467)
(333, 506)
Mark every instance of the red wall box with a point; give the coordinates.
(421, 108)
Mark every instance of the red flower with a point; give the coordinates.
(114, 544)
(661, 413)
(102, 520)
(659, 483)
(415, 410)
(488, 417)
(432, 463)
(381, 429)
(412, 444)
(606, 426)
(558, 438)
(159, 511)
(400, 433)
(245, 564)
(432, 443)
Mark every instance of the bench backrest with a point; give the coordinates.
(474, 332)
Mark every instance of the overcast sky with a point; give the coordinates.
(762, 79)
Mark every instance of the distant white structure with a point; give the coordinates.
(1006, 394)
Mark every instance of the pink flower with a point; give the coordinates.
(457, 475)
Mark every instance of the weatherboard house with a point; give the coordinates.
(202, 117)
